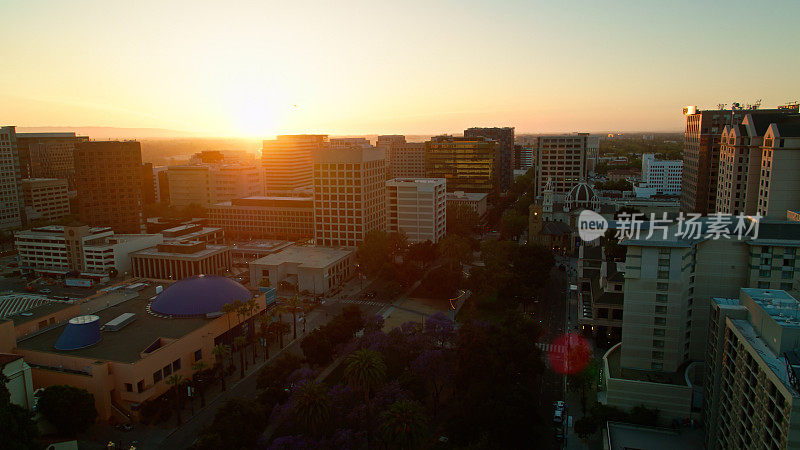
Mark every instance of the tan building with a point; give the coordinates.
(287, 161)
(316, 270)
(779, 189)
(349, 143)
(403, 159)
(753, 371)
(45, 198)
(49, 155)
(740, 189)
(125, 345)
(564, 160)
(349, 195)
(417, 207)
(209, 184)
(176, 260)
(108, 177)
(289, 218)
(195, 232)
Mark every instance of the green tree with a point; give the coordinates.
(317, 347)
(455, 248)
(176, 381)
(239, 344)
(236, 425)
(422, 253)
(312, 406)
(365, 369)
(404, 424)
(220, 352)
(17, 427)
(71, 410)
(513, 223)
(291, 305)
(197, 369)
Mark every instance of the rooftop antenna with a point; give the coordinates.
(757, 104)
(721, 105)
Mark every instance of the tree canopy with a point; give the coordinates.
(70, 409)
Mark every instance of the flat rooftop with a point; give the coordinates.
(208, 250)
(780, 305)
(260, 245)
(623, 436)
(126, 344)
(473, 196)
(775, 363)
(310, 257)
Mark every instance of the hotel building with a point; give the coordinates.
(417, 207)
(565, 160)
(108, 177)
(208, 184)
(349, 195)
(468, 164)
(287, 161)
(45, 198)
(285, 218)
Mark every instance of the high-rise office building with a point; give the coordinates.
(11, 203)
(752, 377)
(505, 151)
(349, 195)
(161, 178)
(287, 161)
(148, 184)
(48, 155)
(108, 177)
(417, 207)
(468, 164)
(564, 160)
(662, 176)
(403, 159)
(207, 184)
(45, 198)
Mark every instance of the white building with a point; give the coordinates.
(661, 177)
(349, 195)
(417, 207)
(57, 250)
(10, 175)
(208, 184)
(315, 270)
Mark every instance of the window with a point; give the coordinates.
(661, 298)
(176, 365)
(128, 387)
(763, 284)
(658, 343)
(786, 286)
(661, 309)
(140, 386)
(658, 332)
(658, 354)
(167, 370)
(656, 366)
(659, 321)
(198, 355)
(156, 376)
(662, 286)
(663, 274)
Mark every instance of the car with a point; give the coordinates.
(46, 291)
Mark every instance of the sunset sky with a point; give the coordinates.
(258, 68)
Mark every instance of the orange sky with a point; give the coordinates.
(260, 68)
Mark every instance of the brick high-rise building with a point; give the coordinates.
(287, 161)
(564, 160)
(403, 159)
(108, 177)
(48, 155)
(349, 195)
(505, 151)
(11, 202)
(148, 184)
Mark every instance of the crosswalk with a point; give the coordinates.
(12, 304)
(551, 348)
(364, 302)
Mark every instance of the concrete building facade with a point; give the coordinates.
(417, 207)
(316, 270)
(349, 195)
(49, 155)
(403, 159)
(176, 260)
(662, 176)
(505, 151)
(287, 161)
(565, 160)
(45, 198)
(10, 196)
(208, 184)
(285, 218)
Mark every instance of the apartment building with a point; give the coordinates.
(180, 259)
(417, 207)
(10, 196)
(739, 185)
(468, 164)
(287, 161)
(753, 371)
(669, 283)
(57, 250)
(565, 160)
(779, 187)
(283, 218)
(209, 184)
(403, 159)
(349, 195)
(108, 177)
(505, 151)
(45, 198)
(661, 176)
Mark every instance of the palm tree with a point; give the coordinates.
(264, 333)
(239, 343)
(404, 424)
(312, 406)
(177, 381)
(220, 352)
(252, 308)
(365, 369)
(199, 367)
(291, 305)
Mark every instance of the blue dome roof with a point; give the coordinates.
(80, 332)
(199, 295)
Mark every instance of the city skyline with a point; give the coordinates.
(261, 70)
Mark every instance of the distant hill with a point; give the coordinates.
(103, 133)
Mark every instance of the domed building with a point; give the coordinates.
(581, 196)
(199, 295)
